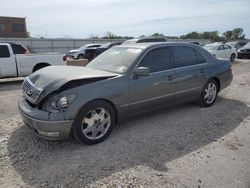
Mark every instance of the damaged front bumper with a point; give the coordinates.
(38, 121)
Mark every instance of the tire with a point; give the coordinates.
(80, 56)
(94, 123)
(232, 57)
(209, 94)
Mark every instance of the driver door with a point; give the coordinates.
(156, 89)
(7, 62)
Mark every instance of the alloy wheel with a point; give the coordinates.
(210, 93)
(96, 123)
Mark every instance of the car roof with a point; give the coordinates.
(155, 44)
(92, 44)
(12, 43)
(214, 44)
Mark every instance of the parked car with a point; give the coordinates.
(145, 39)
(237, 44)
(15, 60)
(222, 51)
(197, 43)
(106, 46)
(123, 81)
(93, 52)
(244, 52)
(79, 53)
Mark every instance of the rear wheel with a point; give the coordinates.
(94, 122)
(209, 94)
(232, 57)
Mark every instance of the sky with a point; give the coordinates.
(85, 18)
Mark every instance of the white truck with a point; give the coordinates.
(16, 61)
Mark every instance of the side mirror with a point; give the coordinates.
(142, 71)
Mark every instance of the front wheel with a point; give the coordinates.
(209, 94)
(81, 56)
(232, 57)
(94, 122)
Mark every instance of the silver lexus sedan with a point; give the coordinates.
(87, 102)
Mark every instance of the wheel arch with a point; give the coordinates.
(217, 81)
(80, 54)
(41, 64)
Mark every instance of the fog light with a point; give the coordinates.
(49, 134)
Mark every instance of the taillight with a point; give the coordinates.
(65, 58)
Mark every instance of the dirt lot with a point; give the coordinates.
(183, 146)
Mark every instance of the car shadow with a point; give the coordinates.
(10, 85)
(150, 140)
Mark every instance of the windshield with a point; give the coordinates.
(116, 59)
(210, 47)
(247, 45)
(106, 45)
(83, 48)
(233, 44)
(131, 41)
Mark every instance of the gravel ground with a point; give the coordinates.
(182, 146)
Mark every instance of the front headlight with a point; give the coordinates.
(58, 103)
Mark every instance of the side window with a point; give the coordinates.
(18, 49)
(199, 58)
(4, 51)
(141, 41)
(227, 47)
(158, 60)
(220, 47)
(184, 56)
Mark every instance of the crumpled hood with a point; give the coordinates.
(51, 78)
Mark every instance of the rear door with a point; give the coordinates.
(220, 52)
(190, 72)
(156, 89)
(228, 51)
(7, 62)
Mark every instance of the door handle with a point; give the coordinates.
(170, 77)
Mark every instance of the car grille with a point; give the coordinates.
(30, 91)
(244, 51)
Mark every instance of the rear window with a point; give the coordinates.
(4, 51)
(184, 56)
(18, 49)
(199, 57)
(227, 47)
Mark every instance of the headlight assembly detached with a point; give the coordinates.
(58, 103)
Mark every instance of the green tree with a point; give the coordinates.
(110, 35)
(228, 35)
(157, 35)
(214, 36)
(191, 35)
(238, 33)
